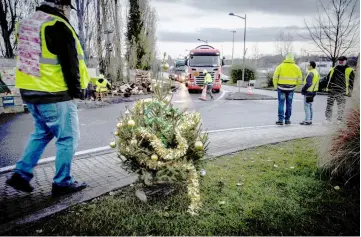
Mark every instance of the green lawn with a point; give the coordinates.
(271, 190)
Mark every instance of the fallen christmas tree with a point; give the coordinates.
(162, 144)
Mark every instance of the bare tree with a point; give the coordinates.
(284, 43)
(99, 36)
(81, 6)
(335, 30)
(8, 18)
(256, 54)
(118, 46)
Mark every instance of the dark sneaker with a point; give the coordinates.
(287, 122)
(58, 190)
(305, 123)
(19, 183)
(279, 123)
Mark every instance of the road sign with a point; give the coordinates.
(8, 101)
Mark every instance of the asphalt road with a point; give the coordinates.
(97, 125)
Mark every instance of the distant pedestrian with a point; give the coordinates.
(208, 82)
(339, 84)
(90, 92)
(309, 90)
(50, 73)
(285, 79)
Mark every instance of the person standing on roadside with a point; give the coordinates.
(309, 90)
(339, 84)
(286, 78)
(208, 83)
(50, 73)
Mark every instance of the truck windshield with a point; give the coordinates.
(180, 68)
(205, 61)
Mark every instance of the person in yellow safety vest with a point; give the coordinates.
(309, 90)
(339, 84)
(50, 72)
(208, 82)
(101, 84)
(285, 79)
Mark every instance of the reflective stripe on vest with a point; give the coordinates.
(315, 80)
(37, 68)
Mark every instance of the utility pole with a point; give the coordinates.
(244, 43)
(233, 32)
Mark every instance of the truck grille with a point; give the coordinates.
(200, 79)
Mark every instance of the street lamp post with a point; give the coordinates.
(205, 41)
(244, 43)
(233, 31)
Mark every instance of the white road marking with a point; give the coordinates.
(221, 96)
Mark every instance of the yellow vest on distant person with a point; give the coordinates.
(37, 68)
(208, 79)
(315, 80)
(101, 86)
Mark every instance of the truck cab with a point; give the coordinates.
(204, 57)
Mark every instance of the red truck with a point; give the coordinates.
(204, 57)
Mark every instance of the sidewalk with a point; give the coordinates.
(103, 172)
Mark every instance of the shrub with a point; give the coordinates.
(236, 74)
(270, 79)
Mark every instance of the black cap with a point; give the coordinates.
(62, 2)
(342, 58)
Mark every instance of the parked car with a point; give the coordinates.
(224, 78)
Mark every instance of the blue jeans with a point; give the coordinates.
(308, 111)
(58, 120)
(284, 96)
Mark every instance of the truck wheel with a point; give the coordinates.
(215, 91)
(190, 91)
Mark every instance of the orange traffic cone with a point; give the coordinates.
(204, 93)
(250, 92)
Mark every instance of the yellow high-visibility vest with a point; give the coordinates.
(287, 73)
(101, 86)
(208, 79)
(37, 68)
(315, 80)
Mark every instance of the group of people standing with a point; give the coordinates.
(338, 83)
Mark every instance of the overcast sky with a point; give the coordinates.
(182, 22)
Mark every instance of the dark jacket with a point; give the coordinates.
(338, 80)
(60, 41)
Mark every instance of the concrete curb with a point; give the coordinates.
(247, 147)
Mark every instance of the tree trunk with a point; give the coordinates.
(107, 43)
(6, 33)
(81, 13)
(118, 42)
(99, 38)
